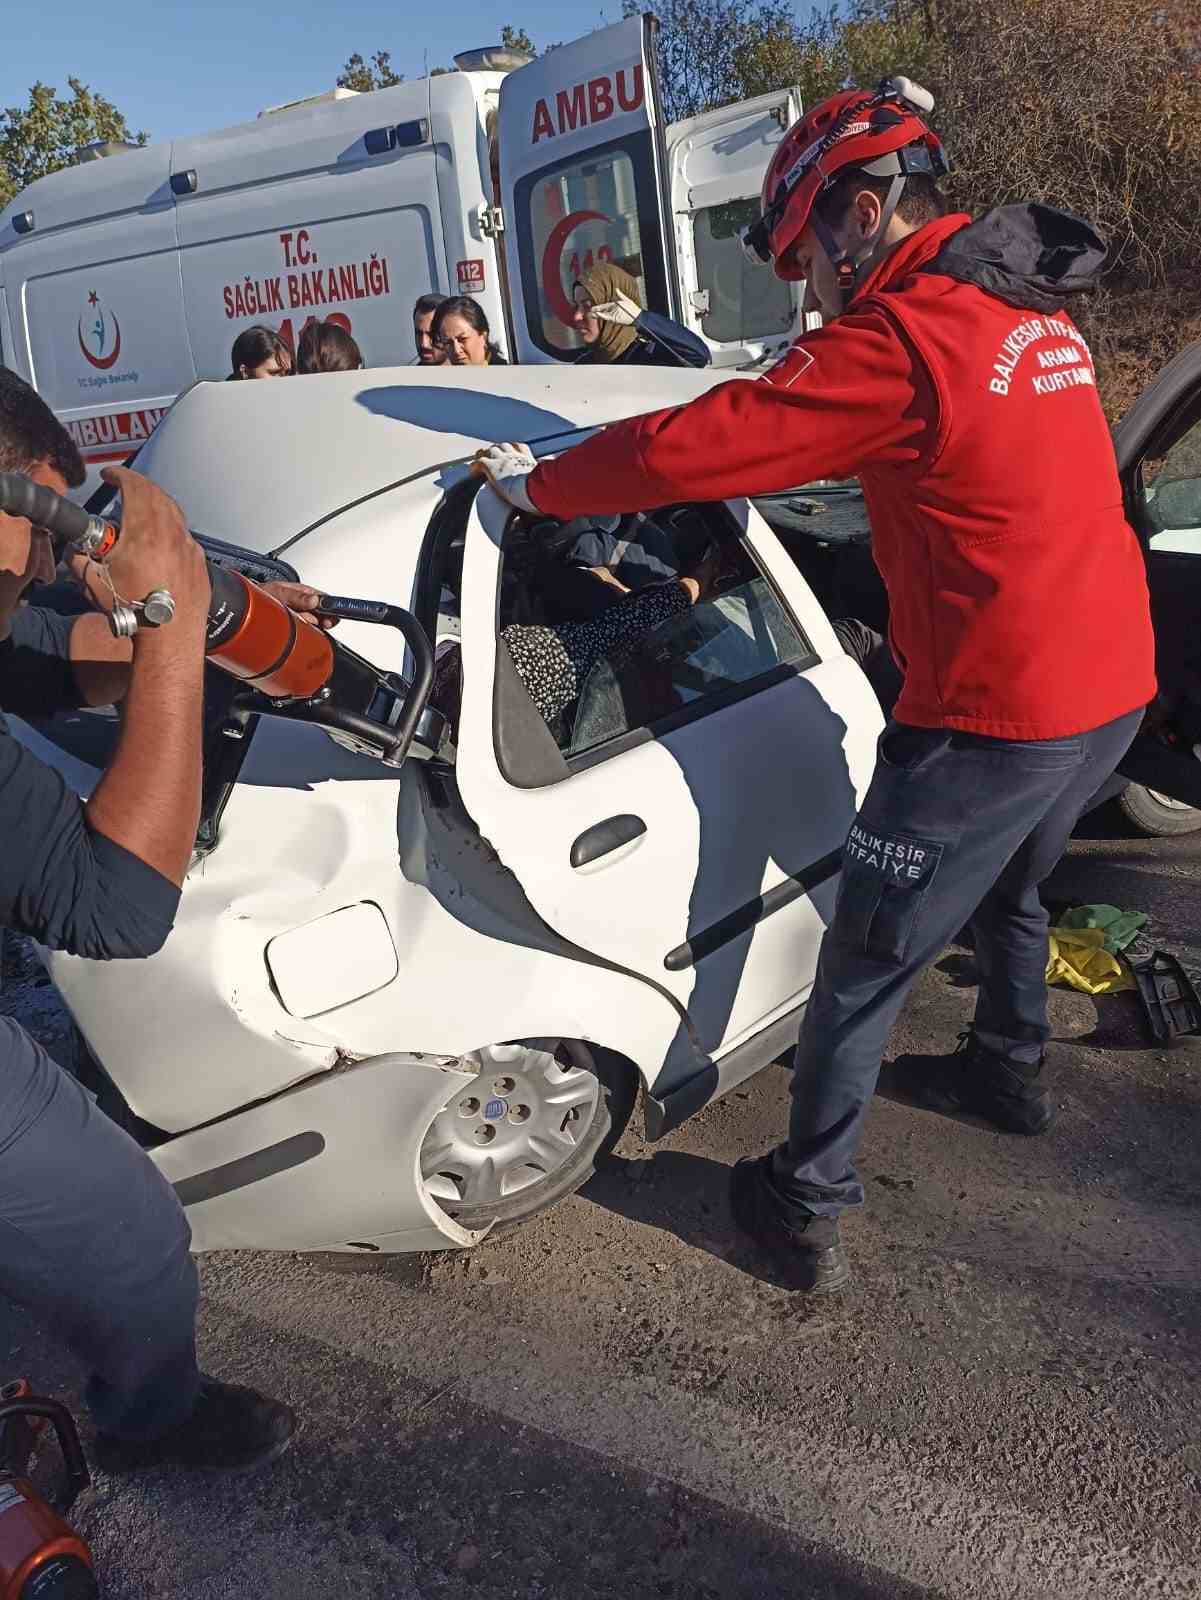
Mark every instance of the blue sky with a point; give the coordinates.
(186, 68)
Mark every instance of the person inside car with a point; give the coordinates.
(553, 658)
(948, 361)
(429, 352)
(553, 661)
(259, 353)
(604, 559)
(462, 334)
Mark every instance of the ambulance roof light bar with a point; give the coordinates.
(492, 58)
(327, 98)
(99, 148)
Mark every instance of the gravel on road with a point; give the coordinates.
(617, 1401)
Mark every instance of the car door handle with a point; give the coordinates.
(604, 836)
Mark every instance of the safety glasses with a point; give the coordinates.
(755, 238)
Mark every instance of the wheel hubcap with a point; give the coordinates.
(520, 1119)
(1167, 801)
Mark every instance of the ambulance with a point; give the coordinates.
(126, 277)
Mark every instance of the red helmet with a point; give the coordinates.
(880, 132)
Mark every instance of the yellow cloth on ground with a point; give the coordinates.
(1078, 958)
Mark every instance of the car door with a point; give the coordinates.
(696, 848)
(1158, 446)
(582, 169)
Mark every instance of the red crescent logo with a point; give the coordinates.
(552, 274)
(103, 362)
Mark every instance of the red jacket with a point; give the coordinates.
(1017, 591)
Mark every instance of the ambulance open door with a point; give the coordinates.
(582, 171)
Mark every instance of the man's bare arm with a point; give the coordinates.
(148, 800)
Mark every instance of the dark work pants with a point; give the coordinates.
(94, 1242)
(954, 827)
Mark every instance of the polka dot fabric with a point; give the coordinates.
(553, 662)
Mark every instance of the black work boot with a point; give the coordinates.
(1005, 1093)
(806, 1247)
(231, 1429)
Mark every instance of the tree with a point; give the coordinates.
(1098, 112)
(698, 43)
(775, 51)
(378, 73)
(1095, 109)
(835, 47)
(44, 135)
(517, 39)
(712, 52)
(368, 75)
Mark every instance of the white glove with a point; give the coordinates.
(622, 310)
(506, 467)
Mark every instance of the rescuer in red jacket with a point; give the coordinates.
(951, 380)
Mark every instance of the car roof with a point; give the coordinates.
(256, 464)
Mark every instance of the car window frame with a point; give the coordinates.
(1152, 526)
(683, 716)
(1166, 432)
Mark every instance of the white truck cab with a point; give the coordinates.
(125, 280)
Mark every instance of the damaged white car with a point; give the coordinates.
(403, 1006)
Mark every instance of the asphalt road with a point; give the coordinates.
(615, 1403)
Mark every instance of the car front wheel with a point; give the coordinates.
(532, 1127)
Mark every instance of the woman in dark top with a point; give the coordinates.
(461, 331)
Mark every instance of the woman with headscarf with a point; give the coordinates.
(627, 334)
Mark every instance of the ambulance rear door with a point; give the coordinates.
(583, 178)
(95, 305)
(716, 163)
